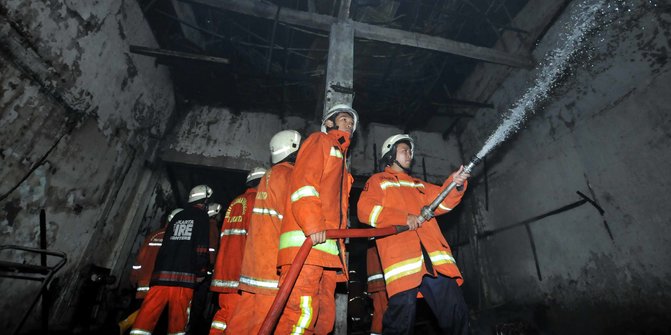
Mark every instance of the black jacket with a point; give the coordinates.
(184, 254)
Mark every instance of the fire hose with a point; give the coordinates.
(296, 266)
(288, 284)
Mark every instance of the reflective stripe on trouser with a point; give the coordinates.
(443, 296)
(311, 307)
(250, 313)
(380, 303)
(178, 300)
(221, 320)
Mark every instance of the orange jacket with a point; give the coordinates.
(259, 265)
(374, 270)
(318, 199)
(144, 263)
(232, 243)
(386, 200)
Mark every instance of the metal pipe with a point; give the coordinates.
(426, 213)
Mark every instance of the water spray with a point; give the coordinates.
(547, 76)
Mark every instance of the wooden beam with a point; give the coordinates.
(176, 54)
(368, 31)
(422, 41)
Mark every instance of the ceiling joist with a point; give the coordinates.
(368, 31)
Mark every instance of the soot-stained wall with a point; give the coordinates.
(221, 138)
(80, 119)
(603, 131)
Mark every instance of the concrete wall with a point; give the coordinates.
(220, 138)
(605, 126)
(80, 118)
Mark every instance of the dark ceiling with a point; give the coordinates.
(393, 84)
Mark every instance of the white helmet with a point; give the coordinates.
(173, 213)
(213, 209)
(255, 173)
(200, 192)
(284, 144)
(389, 143)
(387, 156)
(341, 108)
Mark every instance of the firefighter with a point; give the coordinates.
(376, 289)
(181, 263)
(140, 275)
(259, 277)
(229, 256)
(418, 260)
(199, 319)
(318, 200)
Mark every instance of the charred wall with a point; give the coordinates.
(80, 119)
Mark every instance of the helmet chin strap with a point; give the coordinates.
(401, 166)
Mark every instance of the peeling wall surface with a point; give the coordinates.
(606, 126)
(80, 117)
(220, 138)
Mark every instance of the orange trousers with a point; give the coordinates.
(178, 300)
(311, 305)
(250, 313)
(220, 321)
(380, 303)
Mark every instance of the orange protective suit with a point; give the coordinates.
(229, 258)
(157, 298)
(318, 200)
(376, 289)
(259, 276)
(387, 199)
(144, 263)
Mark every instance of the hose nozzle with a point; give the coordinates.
(475, 160)
(426, 212)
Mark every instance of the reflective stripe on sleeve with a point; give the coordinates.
(267, 211)
(374, 214)
(154, 244)
(445, 208)
(296, 238)
(139, 332)
(137, 267)
(143, 288)
(305, 191)
(264, 283)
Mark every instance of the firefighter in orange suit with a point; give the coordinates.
(140, 276)
(376, 289)
(181, 263)
(259, 277)
(318, 200)
(229, 256)
(418, 260)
